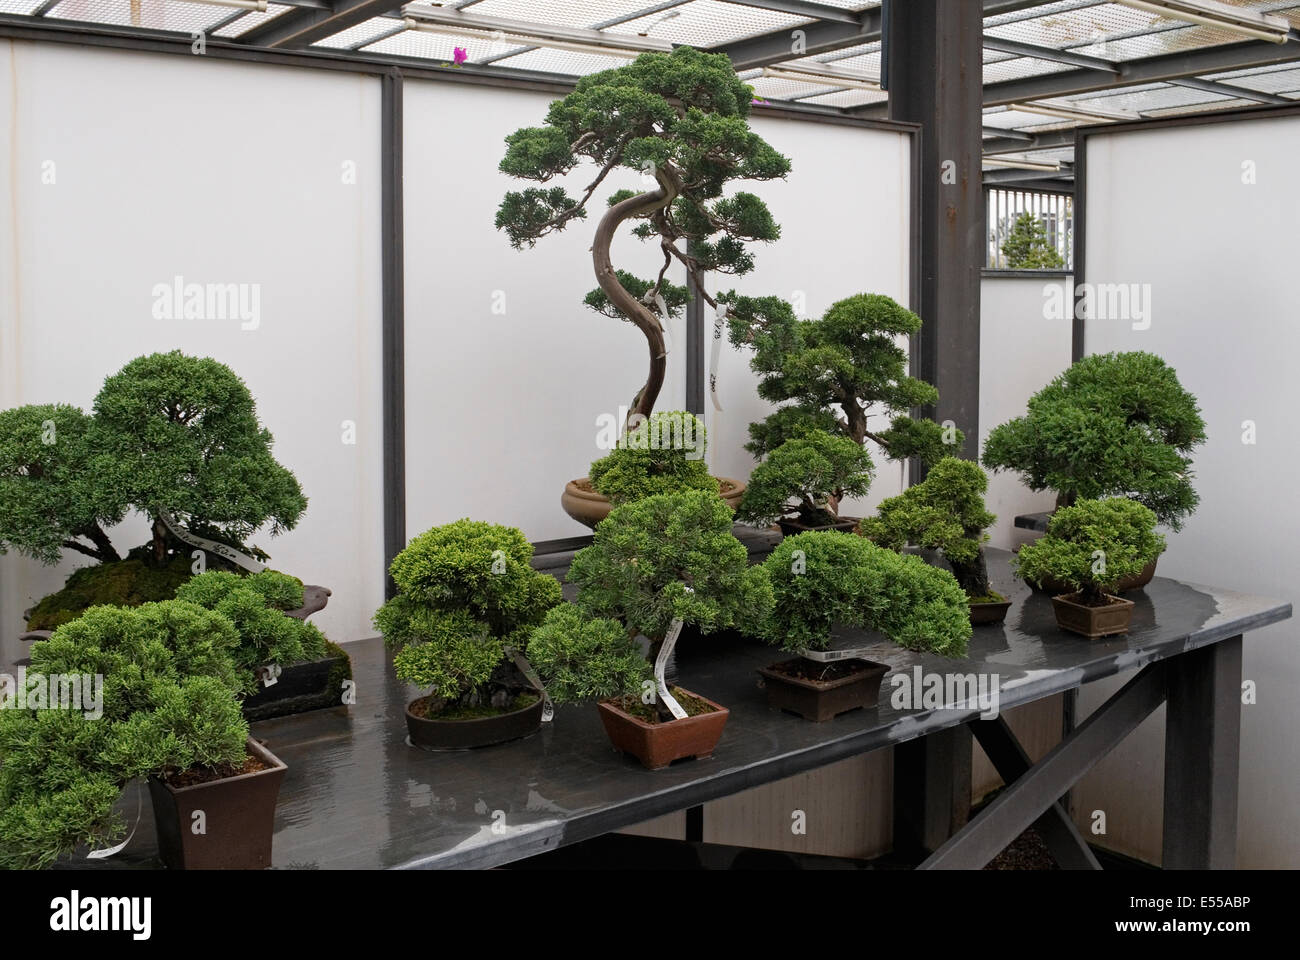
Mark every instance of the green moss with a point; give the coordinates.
(478, 713)
(991, 597)
(123, 583)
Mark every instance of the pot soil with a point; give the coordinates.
(793, 525)
(657, 744)
(588, 507)
(300, 687)
(1103, 620)
(1135, 582)
(465, 733)
(822, 691)
(238, 814)
(988, 611)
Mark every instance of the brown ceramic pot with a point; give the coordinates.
(992, 612)
(588, 507)
(658, 744)
(821, 700)
(1093, 622)
(1135, 582)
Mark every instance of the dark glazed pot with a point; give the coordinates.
(822, 700)
(478, 732)
(985, 613)
(790, 526)
(657, 745)
(1093, 622)
(1135, 582)
(309, 685)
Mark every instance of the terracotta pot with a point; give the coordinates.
(1135, 582)
(478, 732)
(658, 744)
(1093, 622)
(992, 612)
(792, 525)
(821, 700)
(309, 685)
(589, 507)
(238, 817)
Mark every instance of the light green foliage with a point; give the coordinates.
(49, 495)
(195, 723)
(945, 511)
(581, 658)
(1092, 545)
(645, 555)
(1113, 424)
(822, 578)
(1027, 248)
(802, 475)
(847, 360)
(466, 592)
(663, 453)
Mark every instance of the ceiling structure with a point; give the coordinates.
(1048, 66)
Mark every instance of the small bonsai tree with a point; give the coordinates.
(663, 453)
(670, 557)
(1091, 546)
(806, 477)
(467, 596)
(1113, 424)
(840, 366)
(1027, 247)
(820, 579)
(679, 118)
(586, 658)
(945, 511)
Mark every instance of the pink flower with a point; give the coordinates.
(460, 56)
(759, 102)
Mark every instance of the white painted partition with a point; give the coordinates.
(1203, 218)
(125, 170)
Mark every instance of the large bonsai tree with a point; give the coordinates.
(831, 371)
(1113, 424)
(945, 511)
(680, 119)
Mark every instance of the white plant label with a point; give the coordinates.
(211, 546)
(107, 852)
(715, 355)
(830, 656)
(526, 668)
(661, 664)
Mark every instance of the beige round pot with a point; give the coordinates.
(588, 507)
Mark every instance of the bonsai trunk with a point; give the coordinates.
(630, 306)
(972, 577)
(160, 535)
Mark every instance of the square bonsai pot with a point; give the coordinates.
(822, 700)
(657, 745)
(238, 818)
(1093, 622)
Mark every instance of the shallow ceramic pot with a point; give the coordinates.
(1093, 622)
(821, 700)
(986, 613)
(657, 745)
(477, 732)
(588, 507)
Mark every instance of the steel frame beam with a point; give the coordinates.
(802, 8)
(819, 37)
(306, 25)
(1007, 175)
(393, 320)
(1229, 90)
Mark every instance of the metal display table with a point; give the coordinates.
(357, 796)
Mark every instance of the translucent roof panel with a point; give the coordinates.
(428, 46)
(1149, 100)
(707, 23)
(1283, 79)
(848, 98)
(569, 13)
(1203, 107)
(360, 35)
(1018, 67)
(561, 61)
(771, 88)
(1187, 37)
(254, 18)
(152, 14)
(25, 7)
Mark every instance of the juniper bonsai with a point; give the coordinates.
(467, 595)
(680, 118)
(586, 658)
(807, 476)
(663, 453)
(840, 366)
(945, 511)
(1027, 246)
(1092, 545)
(1113, 424)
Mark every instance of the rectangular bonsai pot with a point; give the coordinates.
(995, 611)
(238, 818)
(819, 700)
(1093, 622)
(309, 685)
(658, 744)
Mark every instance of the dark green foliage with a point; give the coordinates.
(945, 512)
(1027, 248)
(126, 583)
(806, 476)
(841, 363)
(50, 497)
(647, 553)
(466, 592)
(664, 453)
(823, 578)
(1113, 424)
(675, 296)
(582, 658)
(1092, 545)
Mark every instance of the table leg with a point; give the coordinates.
(932, 791)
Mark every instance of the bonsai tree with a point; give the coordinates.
(945, 511)
(820, 579)
(1027, 247)
(586, 658)
(256, 605)
(663, 453)
(167, 704)
(669, 557)
(681, 119)
(806, 477)
(832, 370)
(1113, 424)
(467, 596)
(1091, 546)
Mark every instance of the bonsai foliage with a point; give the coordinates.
(679, 118)
(807, 476)
(1027, 246)
(51, 499)
(167, 704)
(945, 511)
(662, 453)
(821, 578)
(582, 658)
(255, 606)
(1113, 424)
(1092, 545)
(842, 364)
(466, 593)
